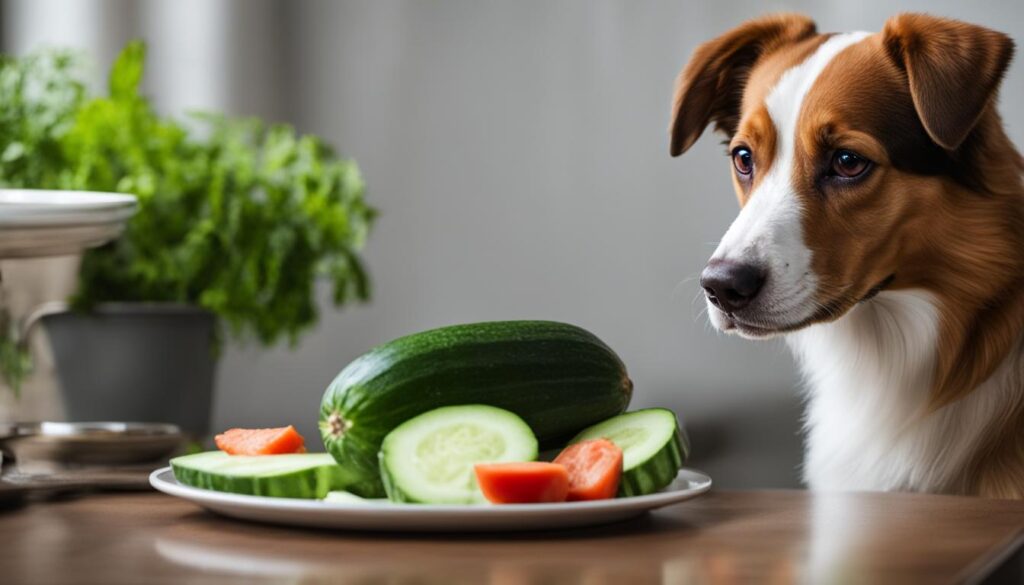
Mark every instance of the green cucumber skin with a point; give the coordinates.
(658, 471)
(559, 378)
(311, 483)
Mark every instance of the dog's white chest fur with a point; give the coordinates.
(869, 375)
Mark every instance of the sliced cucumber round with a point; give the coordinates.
(653, 448)
(300, 475)
(429, 458)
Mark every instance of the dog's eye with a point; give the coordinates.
(743, 160)
(849, 164)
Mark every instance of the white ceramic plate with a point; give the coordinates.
(376, 515)
(49, 223)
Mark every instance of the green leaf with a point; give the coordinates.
(126, 74)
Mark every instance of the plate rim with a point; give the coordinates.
(646, 502)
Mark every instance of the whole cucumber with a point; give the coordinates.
(558, 377)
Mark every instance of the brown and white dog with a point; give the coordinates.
(882, 231)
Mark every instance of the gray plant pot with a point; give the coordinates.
(136, 362)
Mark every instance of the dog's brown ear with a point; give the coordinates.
(954, 70)
(710, 87)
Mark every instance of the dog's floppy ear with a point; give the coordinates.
(954, 69)
(710, 87)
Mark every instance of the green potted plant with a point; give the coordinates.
(236, 221)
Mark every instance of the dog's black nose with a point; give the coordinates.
(730, 286)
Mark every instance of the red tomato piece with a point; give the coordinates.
(522, 483)
(261, 441)
(595, 469)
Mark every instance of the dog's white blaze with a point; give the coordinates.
(768, 230)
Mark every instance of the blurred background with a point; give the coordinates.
(518, 155)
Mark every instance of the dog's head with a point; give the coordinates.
(842, 150)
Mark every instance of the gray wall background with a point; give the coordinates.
(518, 154)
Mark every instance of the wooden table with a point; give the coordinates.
(723, 537)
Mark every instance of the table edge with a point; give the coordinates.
(993, 559)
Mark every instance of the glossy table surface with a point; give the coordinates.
(722, 537)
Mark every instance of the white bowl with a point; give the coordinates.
(51, 223)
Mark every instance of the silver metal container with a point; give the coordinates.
(35, 445)
(45, 458)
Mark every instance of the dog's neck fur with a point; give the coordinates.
(870, 377)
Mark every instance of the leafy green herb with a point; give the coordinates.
(39, 96)
(236, 216)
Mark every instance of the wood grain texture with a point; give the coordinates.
(723, 537)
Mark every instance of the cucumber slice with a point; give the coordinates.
(300, 475)
(653, 448)
(344, 497)
(429, 458)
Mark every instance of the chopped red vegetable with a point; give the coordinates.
(261, 441)
(522, 483)
(595, 468)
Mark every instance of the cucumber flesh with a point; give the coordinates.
(429, 459)
(299, 475)
(345, 497)
(653, 448)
